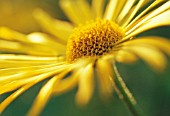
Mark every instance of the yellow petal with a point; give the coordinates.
(16, 84)
(153, 19)
(44, 95)
(42, 98)
(113, 8)
(161, 43)
(11, 60)
(10, 46)
(28, 78)
(85, 10)
(9, 34)
(18, 92)
(98, 7)
(46, 40)
(124, 56)
(9, 78)
(160, 20)
(78, 11)
(18, 64)
(85, 85)
(66, 84)
(14, 74)
(142, 15)
(60, 29)
(43, 67)
(118, 9)
(133, 12)
(151, 55)
(71, 81)
(14, 95)
(105, 75)
(128, 5)
(26, 58)
(31, 49)
(110, 9)
(19, 43)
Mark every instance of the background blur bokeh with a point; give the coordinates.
(17, 14)
(151, 89)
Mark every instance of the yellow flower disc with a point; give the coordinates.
(93, 39)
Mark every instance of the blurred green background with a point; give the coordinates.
(151, 90)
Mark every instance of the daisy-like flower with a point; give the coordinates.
(91, 42)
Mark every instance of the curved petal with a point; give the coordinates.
(78, 11)
(143, 14)
(44, 95)
(22, 89)
(24, 48)
(151, 55)
(160, 20)
(161, 43)
(10, 75)
(46, 40)
(125, 56)
(85, 85)
(153, 19)
(128, 5)
(105, 78)
(66, 84)
(14, 61)
(60, 29)
(30, 77)
(9, 34)
(14, 95)
(27, 58)
(19, 43)
(16, 84)
(132, 12)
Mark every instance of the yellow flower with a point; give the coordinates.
(95, 38)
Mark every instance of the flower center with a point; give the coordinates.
(93, 39)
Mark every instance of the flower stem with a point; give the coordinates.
(126, 95)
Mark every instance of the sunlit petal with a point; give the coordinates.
(110, 9)
(104, 34)
(143, 14)
(128, 5)
(19, 43)
(113, 8)
(133, 12)
(160, 20)
(46, 40)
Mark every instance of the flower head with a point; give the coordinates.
(94, 39)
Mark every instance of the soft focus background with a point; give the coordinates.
(17, 14)
(151, 89)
